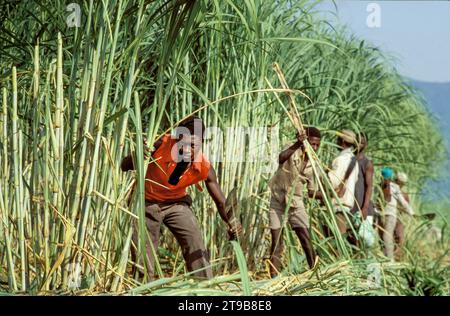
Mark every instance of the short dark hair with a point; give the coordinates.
(312, 131)
(194, 124)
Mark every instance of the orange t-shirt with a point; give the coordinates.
(157, 186)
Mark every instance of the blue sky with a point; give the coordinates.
(416, 33)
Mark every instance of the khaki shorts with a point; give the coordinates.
(297, 215)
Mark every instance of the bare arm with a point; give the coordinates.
(216, 194)
(234, 227)
(127, 162)
(406, 196)
(369, 186)
(287, 153)
(401, 199)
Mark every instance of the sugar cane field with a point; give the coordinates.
(77, 96)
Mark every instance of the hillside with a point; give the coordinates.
(437, 96)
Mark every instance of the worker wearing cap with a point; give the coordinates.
(343, 175)
(394, 199)
(287, 186)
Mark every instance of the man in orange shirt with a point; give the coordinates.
(178, 162)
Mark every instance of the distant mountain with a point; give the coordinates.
(437, 96)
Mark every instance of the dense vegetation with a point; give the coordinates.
(75, 100)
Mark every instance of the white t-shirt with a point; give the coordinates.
(397, 199)
(337, 173)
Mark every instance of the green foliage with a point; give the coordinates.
(75, 101)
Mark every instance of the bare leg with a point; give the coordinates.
(388, 236)
(341, 223)
(305, 241)
(276, 251)
(399, 237)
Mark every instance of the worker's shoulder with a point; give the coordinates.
(205, 163)
(343, 156)
(394, 187)
(286, 146)
(298, 153)
(204, 160)
(364, 159)
(163, 145)
(164, 139)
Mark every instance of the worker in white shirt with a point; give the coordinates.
(343, 176)
(394, 200)
(399, 232)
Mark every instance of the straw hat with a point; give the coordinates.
(402, 177)
(348, 136)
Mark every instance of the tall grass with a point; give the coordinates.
(76, 100)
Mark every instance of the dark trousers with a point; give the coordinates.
(181, 221)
